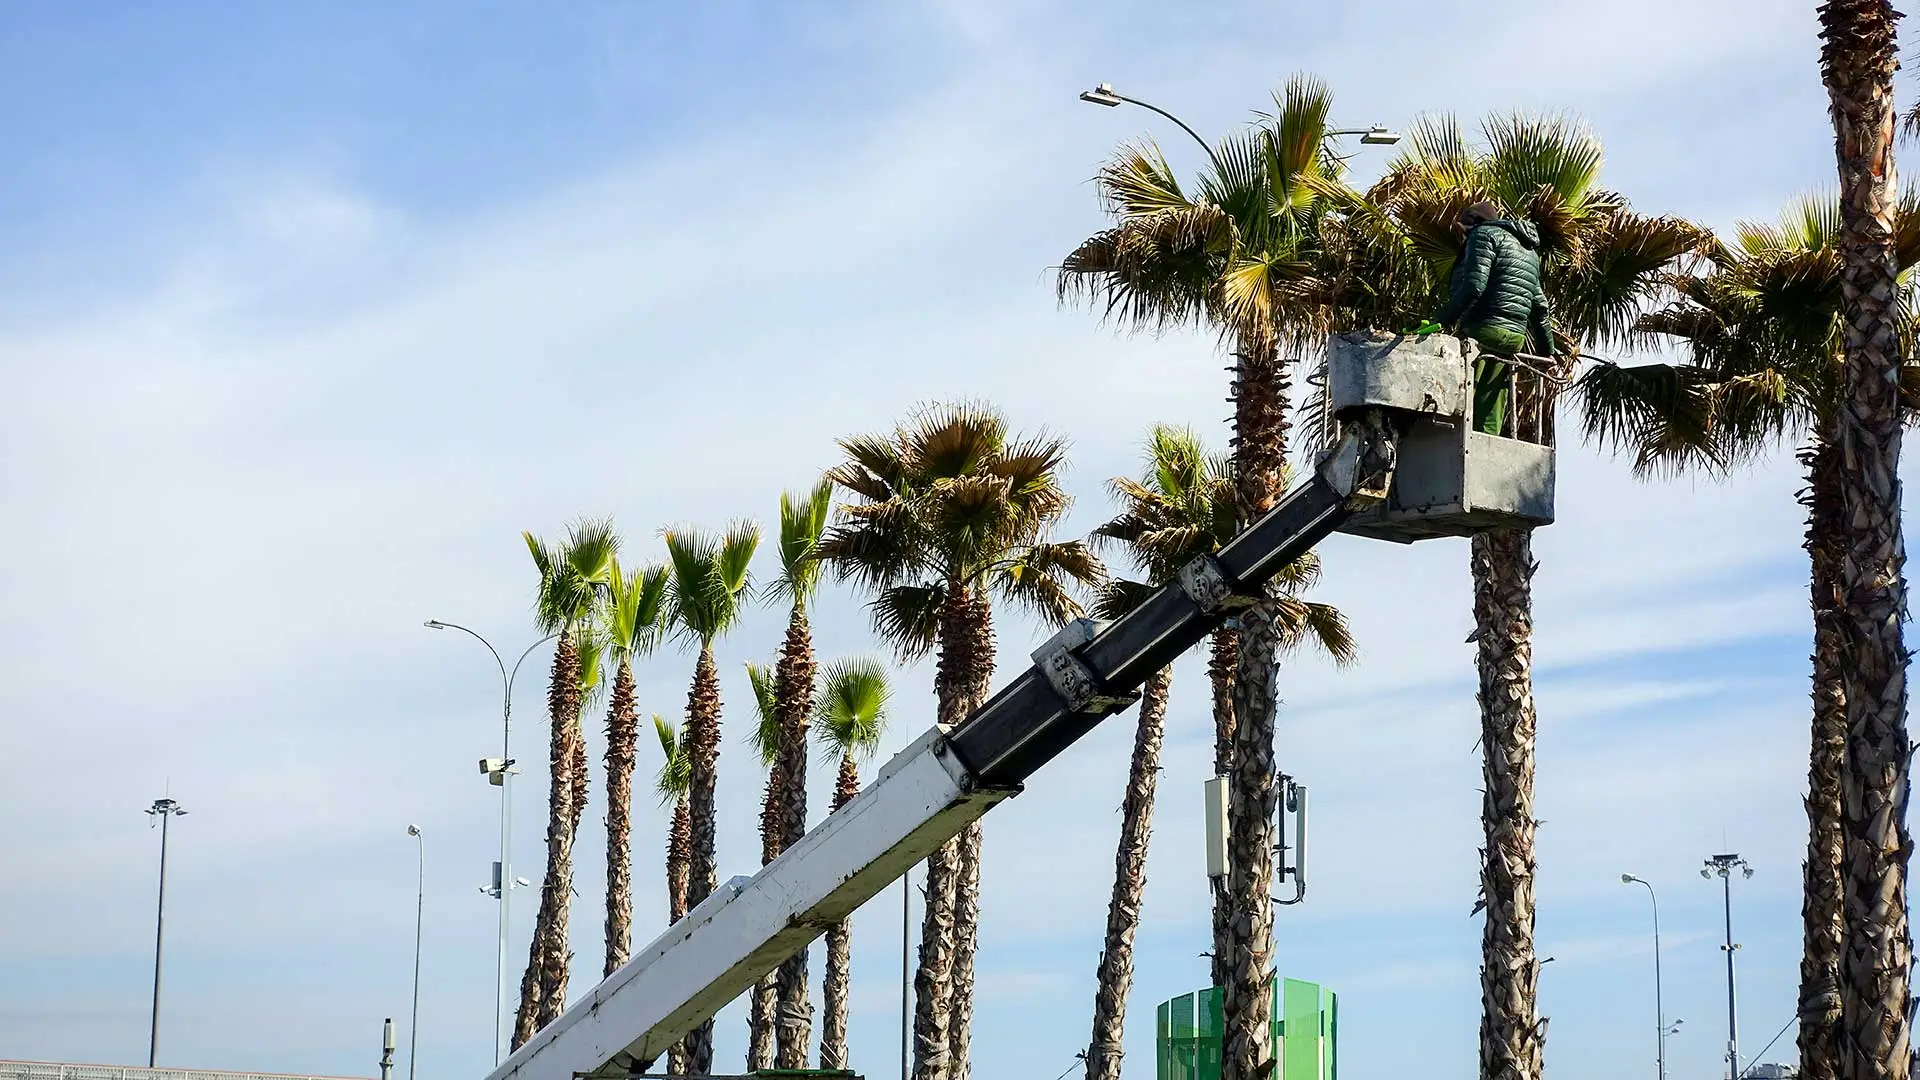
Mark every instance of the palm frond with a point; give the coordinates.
(803, 521)
(1118, 597)
(850, 710)
(675, 775)
(708, 577)
(907, 617)
(765, 735)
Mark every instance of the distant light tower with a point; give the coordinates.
(164, 810)
(1725, 865)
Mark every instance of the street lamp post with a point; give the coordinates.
(164, 810)
(1725, 865)
(498, 771)
(1659, 1005)
(419, 919)
(1377, 135)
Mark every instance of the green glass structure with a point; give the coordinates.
(1305, 1025)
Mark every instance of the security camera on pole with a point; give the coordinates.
(1725, 865)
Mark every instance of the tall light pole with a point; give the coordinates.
(1725, 865)
(1659, 1005)
(1104, 94)
(498, 771)
(419, 920)
(164, 810)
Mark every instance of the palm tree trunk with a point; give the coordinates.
(793, 695)
(1820, 908)
(966, 903)
(558, 964)
(1511, 1032)
(1114, 978)
(1858, 60)
(933, 975)
(679, 853)
(833, 989)
(623, 733)
(760, 1001)
(1226, 649)
(550, 924)
(1259, 454)
(703, 760)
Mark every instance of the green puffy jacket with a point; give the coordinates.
(1496, 282)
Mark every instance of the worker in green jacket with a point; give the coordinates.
(1497, 301)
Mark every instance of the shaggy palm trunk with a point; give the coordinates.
(1858, 59)
(623, 734)
(933, 976)
(679, 852)
(793, 695)
(1511, 1031)
(966, 888)
(703, 760)
(1225, 651)
(549, 946)
(1114, 978)
(1820, 908)
(833, 988)
(1259, 455)
(760, 1002)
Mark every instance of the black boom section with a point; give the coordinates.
(1027, 723)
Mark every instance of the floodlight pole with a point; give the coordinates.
(504, 890)
(419, 922)
(165, 810)
(1724, 865)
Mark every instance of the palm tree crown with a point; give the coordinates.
(949, 501)
(852, 710)
(709, 576)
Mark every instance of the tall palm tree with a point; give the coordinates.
(709, 583)
(1765, 355)
(1857, 62)
(1183, 506)
(852, 715)
(634, 617)
(574, 580)
(1241, 256)
(950, 511)
(1603, 266)
(671, 784)
(803, 521)
(765, 738)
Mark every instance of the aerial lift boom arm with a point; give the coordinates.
(939, 784)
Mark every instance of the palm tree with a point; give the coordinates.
(1857, 62)
(1603, 263)
(672, 783)
(1243, 257)
(852, 714)
(634, 625)
(765, 737)
(574, 580)
(1765, 337)
(1182, 507)
(951, 510)
(803, 521)
(709, 582)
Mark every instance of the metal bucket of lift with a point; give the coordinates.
(1450, 480)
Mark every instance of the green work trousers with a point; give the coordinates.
(1492, 381)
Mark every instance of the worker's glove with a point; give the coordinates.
(1425, 328)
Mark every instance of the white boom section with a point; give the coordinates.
(919, 800)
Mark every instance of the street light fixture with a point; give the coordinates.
(497, 770)
(1659, 1005)
(163, 811)
(1724, 866)
(1105, 94)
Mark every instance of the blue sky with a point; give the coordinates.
(309, 310)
